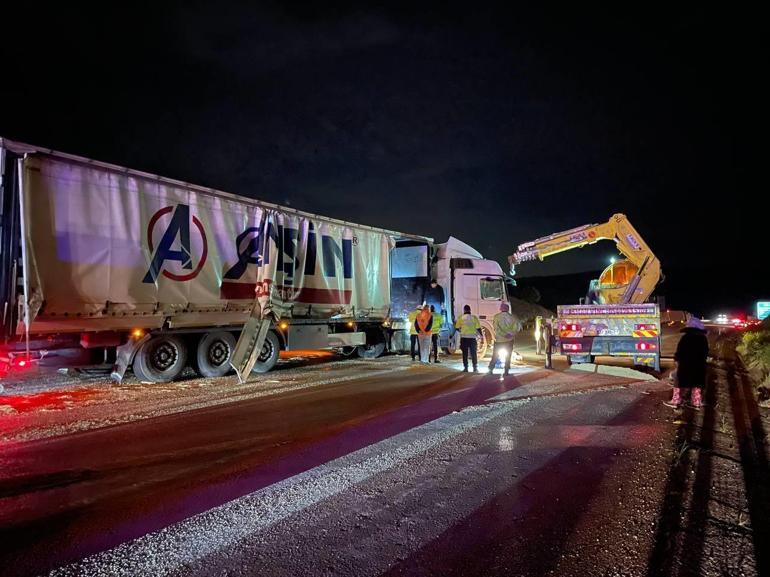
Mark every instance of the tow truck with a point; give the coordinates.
(614, 319)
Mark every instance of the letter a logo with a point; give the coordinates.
(178, 230)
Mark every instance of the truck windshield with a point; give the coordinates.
(492, 289)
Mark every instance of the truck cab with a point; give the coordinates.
(468, 279)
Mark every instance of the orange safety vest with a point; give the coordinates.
(424, 322)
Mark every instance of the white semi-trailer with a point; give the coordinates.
(156, 274)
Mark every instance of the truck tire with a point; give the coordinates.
(484, 342)
(160, 359)
(370, 351)
(449, 350)
(213, 354)
(269, 355)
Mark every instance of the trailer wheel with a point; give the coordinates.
(370, 351)
(269, 355)
(161, 359)
(213, 354)
(449, 350)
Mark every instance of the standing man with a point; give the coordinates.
(434, 295)
(423, 324)
(469, 326)
(539, 336)
(438, 320)
(413, 342)
(505, 326)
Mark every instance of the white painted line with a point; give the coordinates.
(175, 547)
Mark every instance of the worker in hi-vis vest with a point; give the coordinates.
(539, 333)
(438, 320)
(423, 324)
(469, 326)
(414, 344)
(505, 326)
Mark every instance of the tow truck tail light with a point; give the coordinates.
(645, 327)
(570, 327)
(646, 346)
(573, 347)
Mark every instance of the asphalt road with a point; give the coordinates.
(344, 467)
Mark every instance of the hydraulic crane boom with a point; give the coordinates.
(628, 242)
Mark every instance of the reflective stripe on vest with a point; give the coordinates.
(468, 325)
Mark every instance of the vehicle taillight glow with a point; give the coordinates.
(645, 327)
(572, 327)
(646, 346)
(19, 364)
(573, 347)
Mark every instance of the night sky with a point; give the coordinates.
(495, 126)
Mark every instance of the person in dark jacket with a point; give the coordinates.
(434, 295)
(691, 354)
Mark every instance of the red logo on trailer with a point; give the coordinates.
(177, 230)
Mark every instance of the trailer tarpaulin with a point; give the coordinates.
(101, 242)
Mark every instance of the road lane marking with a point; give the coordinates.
(179, 545)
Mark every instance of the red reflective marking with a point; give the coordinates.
(646, 346)
(242, 290)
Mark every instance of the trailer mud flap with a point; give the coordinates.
(250, 344)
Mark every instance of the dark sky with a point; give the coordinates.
(495, 126)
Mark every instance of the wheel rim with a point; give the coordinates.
(164, 356)
(481, 342)
(218, 353)
(267, 351)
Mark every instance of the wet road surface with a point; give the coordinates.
(346, 468)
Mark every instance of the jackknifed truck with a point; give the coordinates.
(100, 264)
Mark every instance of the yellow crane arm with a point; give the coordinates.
(617, 229)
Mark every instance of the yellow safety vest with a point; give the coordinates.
(538, 327)
(468, 325)
(438, 320)
(412, 317)
(505, 327)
